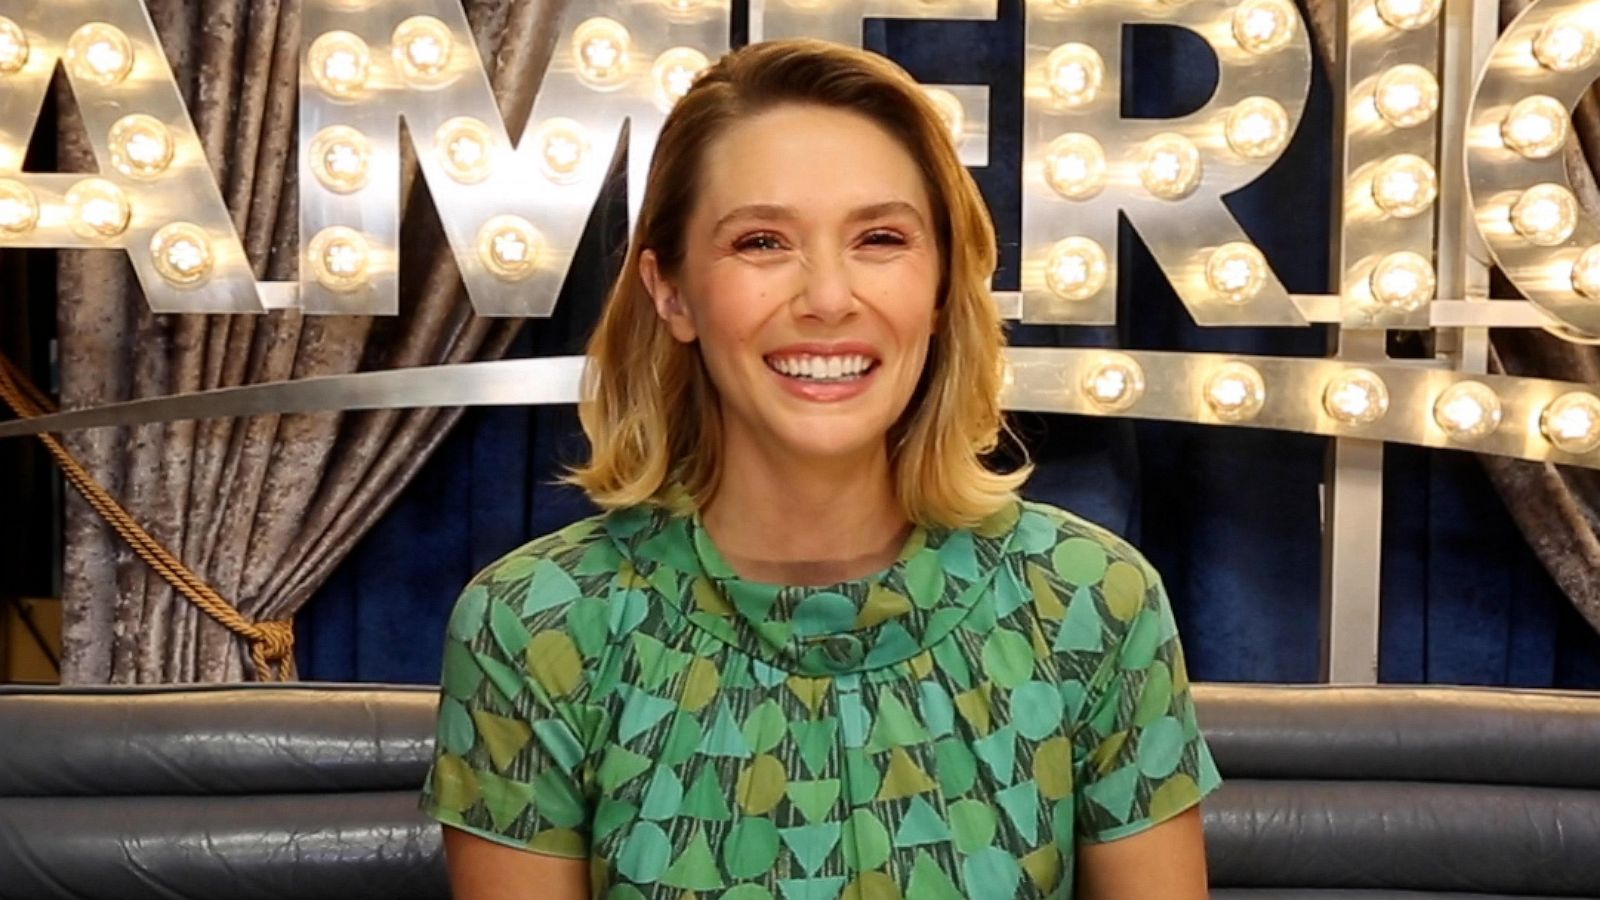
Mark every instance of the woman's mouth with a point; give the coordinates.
(823, 369)
(823, 378)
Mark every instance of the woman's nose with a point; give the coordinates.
(827, 292)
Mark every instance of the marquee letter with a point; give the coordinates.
(1083, 163)
(155, 195)
(1518, 127)
(513, 214)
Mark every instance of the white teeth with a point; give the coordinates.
(821, 367)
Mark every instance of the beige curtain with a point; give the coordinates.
(1557, 508)
(261, 508)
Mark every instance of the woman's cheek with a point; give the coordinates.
(731, 300)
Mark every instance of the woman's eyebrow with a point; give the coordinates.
(883, 210)
(763, 211)
(782, 213)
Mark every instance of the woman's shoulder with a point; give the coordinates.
(1063, 537)
(540, 610)
(535, 588)
(566, 548)
(540, 581)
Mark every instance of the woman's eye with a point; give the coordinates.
(759, 242)
(884, 238)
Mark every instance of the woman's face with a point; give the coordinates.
(809, 280)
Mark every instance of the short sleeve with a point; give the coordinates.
(1139, 756)
(510, 753)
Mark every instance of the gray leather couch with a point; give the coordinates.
(308, 791)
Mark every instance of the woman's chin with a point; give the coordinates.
(826, 445)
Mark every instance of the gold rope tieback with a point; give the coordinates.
(271, 642)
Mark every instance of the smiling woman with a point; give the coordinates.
(816, 646)
(810, 170)
(781, 297)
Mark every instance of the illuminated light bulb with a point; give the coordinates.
(1356, 397)
(509, 247)
(1536, 127)
(1074, 73)
(1262, 26)
(1075, 166)
(1114, 382)
(1408, 15)
(1572, 422)
(1169, 166)
(682, 5)
(1586, 273)
(1257, 127)
(339, 157)
(339, 258)
(1468, 411)
(421, 47)
(1236, 271)
(564, 149)
(674, 72)
(1403, 281)
(339, 62)
(141, 146)
(1072, 4)
(1405, 185)
(99, 53)
(99, 208)
(1076, 269)
(13, 47)
(19, 208)
(465, 149)
(1235, 392)
(1545, 214)
(1565, 45)
(948, 107)
(600, 49)
(182, 253)
(1406, 95)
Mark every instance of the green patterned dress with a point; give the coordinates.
(951, 727)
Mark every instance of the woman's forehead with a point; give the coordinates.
(809, 160)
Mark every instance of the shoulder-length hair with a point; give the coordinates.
(650, 409)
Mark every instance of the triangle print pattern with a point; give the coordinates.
(951, 727)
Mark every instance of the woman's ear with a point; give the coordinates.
(666, 297)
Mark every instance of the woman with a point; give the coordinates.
(815, 647)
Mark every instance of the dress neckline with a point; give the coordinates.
(715, 565)
(837, 629)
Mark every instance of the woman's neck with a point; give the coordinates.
(800, 525)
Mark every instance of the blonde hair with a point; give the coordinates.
(650, 409)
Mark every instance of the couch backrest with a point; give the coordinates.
(244, 791)
(309, 791)
(1382, 792)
